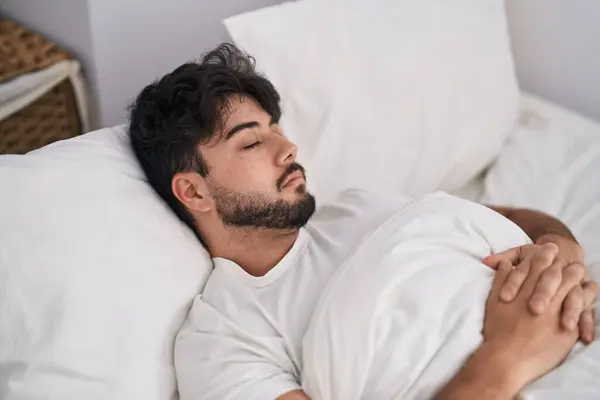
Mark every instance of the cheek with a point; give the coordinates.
(246, 173)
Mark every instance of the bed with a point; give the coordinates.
(97, 275)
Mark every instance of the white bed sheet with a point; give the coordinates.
(536, 115)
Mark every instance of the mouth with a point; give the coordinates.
(295, 177)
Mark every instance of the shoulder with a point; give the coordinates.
(215, 359)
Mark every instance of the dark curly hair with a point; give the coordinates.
(187, 107)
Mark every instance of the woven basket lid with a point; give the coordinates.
(23, 51)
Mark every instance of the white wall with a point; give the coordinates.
(137, 43)
(556, 44)
(125, 44)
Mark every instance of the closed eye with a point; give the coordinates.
(251, 146)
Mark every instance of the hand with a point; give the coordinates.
(548, 255)
(528, 345)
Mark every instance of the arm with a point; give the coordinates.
(544, 229)
(538, 226)
(485, 375)
(217, 359)
(517, 347)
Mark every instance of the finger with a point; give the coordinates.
(514, 282)
(586, 326)
(572, 308)
(539, 260)
(510, 255)
(586, 321)
(590, 291)
(552, 248)
(544, 257)
(572, 276)
(500, 277)
(546, 288)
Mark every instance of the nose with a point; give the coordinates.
(287, 153)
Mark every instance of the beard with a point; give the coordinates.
(258, 210)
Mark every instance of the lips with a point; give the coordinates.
(292, 172)
(295, 175)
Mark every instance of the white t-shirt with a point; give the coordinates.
(243, 336)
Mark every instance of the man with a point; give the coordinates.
(208, 138)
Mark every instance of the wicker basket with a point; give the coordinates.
(51, 117)
(22, 51)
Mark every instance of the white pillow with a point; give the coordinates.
(96, 275)
(410, 95)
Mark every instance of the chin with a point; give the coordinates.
(301, 189)
(299, 195)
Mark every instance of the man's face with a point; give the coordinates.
(253, 176)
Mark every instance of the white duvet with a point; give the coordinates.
(402, 315)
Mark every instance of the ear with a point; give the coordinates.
(191, 190)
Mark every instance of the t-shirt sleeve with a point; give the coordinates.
(217, 360)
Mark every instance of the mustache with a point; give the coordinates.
(293, 167)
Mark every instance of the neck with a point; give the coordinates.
(255, 250)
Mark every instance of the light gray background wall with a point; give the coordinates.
(124, 44)
(136, 41)
(556, 44)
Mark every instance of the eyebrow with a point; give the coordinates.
(239, 128)
(246, 125)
